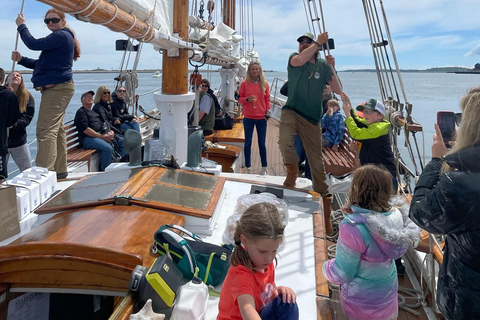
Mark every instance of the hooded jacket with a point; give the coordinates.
(364, 267)
(450, 204)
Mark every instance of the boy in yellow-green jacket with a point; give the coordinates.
(372, 131)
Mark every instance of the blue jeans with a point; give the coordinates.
(105, 149)
(130, 125)
(277, 310)
(248, 125)
(300, 151)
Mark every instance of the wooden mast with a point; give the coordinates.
(175, 69)
(229, 13)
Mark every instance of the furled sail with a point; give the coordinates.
(151, 21)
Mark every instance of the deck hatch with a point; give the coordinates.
(177, 196)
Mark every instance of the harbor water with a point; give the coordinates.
(427, 92)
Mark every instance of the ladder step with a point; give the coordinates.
(315, 19)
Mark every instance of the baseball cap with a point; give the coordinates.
(372, 104)
(306, 35)
(85, 93)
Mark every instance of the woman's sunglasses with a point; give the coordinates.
(53, 20)
(106, 92)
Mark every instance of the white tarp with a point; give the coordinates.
(143, 9)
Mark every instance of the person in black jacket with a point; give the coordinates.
(91, 134)
(103, 107)
(9, 114)
(17, 138)
(447, 201)
(120, 111)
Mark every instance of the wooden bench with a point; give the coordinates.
(342, 161)
(75, 153)
(227, 157)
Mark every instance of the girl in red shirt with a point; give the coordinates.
(249, 290)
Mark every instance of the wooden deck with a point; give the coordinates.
(274, 157)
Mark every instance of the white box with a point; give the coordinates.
(33, 190)
(35, 177)
(51, 176)
(23, 202)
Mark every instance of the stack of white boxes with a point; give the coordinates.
(34, 186)
(47, 179)
(32, 190)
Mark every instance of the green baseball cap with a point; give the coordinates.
(306, 35)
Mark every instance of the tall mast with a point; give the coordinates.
(175, 68)
(229, 13)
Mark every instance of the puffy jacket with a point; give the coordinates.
(364, 267)
(450, 204)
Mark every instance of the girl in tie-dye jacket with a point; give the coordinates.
(372, 235)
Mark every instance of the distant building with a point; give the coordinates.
(477, 66)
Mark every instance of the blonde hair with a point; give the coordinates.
(76, 50)
(98, 95)
(261, 220)
(22, 93)
(263, 82)
(371, 188)
(468, 133)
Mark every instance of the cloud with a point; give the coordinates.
(420, 30)
(474, 52)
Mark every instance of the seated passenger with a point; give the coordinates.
(206, 114)
(334, 125)
(120, 111)
(90, 134)
(103, 107)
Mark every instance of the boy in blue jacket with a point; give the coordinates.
(333, 124)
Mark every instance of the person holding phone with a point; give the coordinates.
(446, 124)
(446, 201)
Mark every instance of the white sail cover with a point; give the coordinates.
(222, 44)
(159, 13)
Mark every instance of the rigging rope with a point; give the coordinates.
(312, 19)
(389, 79)
(16, 44)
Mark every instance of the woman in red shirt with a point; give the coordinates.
(255, 100)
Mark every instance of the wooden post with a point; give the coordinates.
(229, 13)
(175, 70)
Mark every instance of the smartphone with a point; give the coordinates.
(446, 123)
(331, 44)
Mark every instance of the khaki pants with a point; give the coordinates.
(291, 123)
(51, 138)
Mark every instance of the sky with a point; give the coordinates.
(425, 33)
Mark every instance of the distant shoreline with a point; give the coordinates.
(430, 70)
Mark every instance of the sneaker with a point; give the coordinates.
(248, 170)
(62, 175)
(400, 271)
(264, 171)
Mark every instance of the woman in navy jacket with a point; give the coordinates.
(53, 77)
(447, 201)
